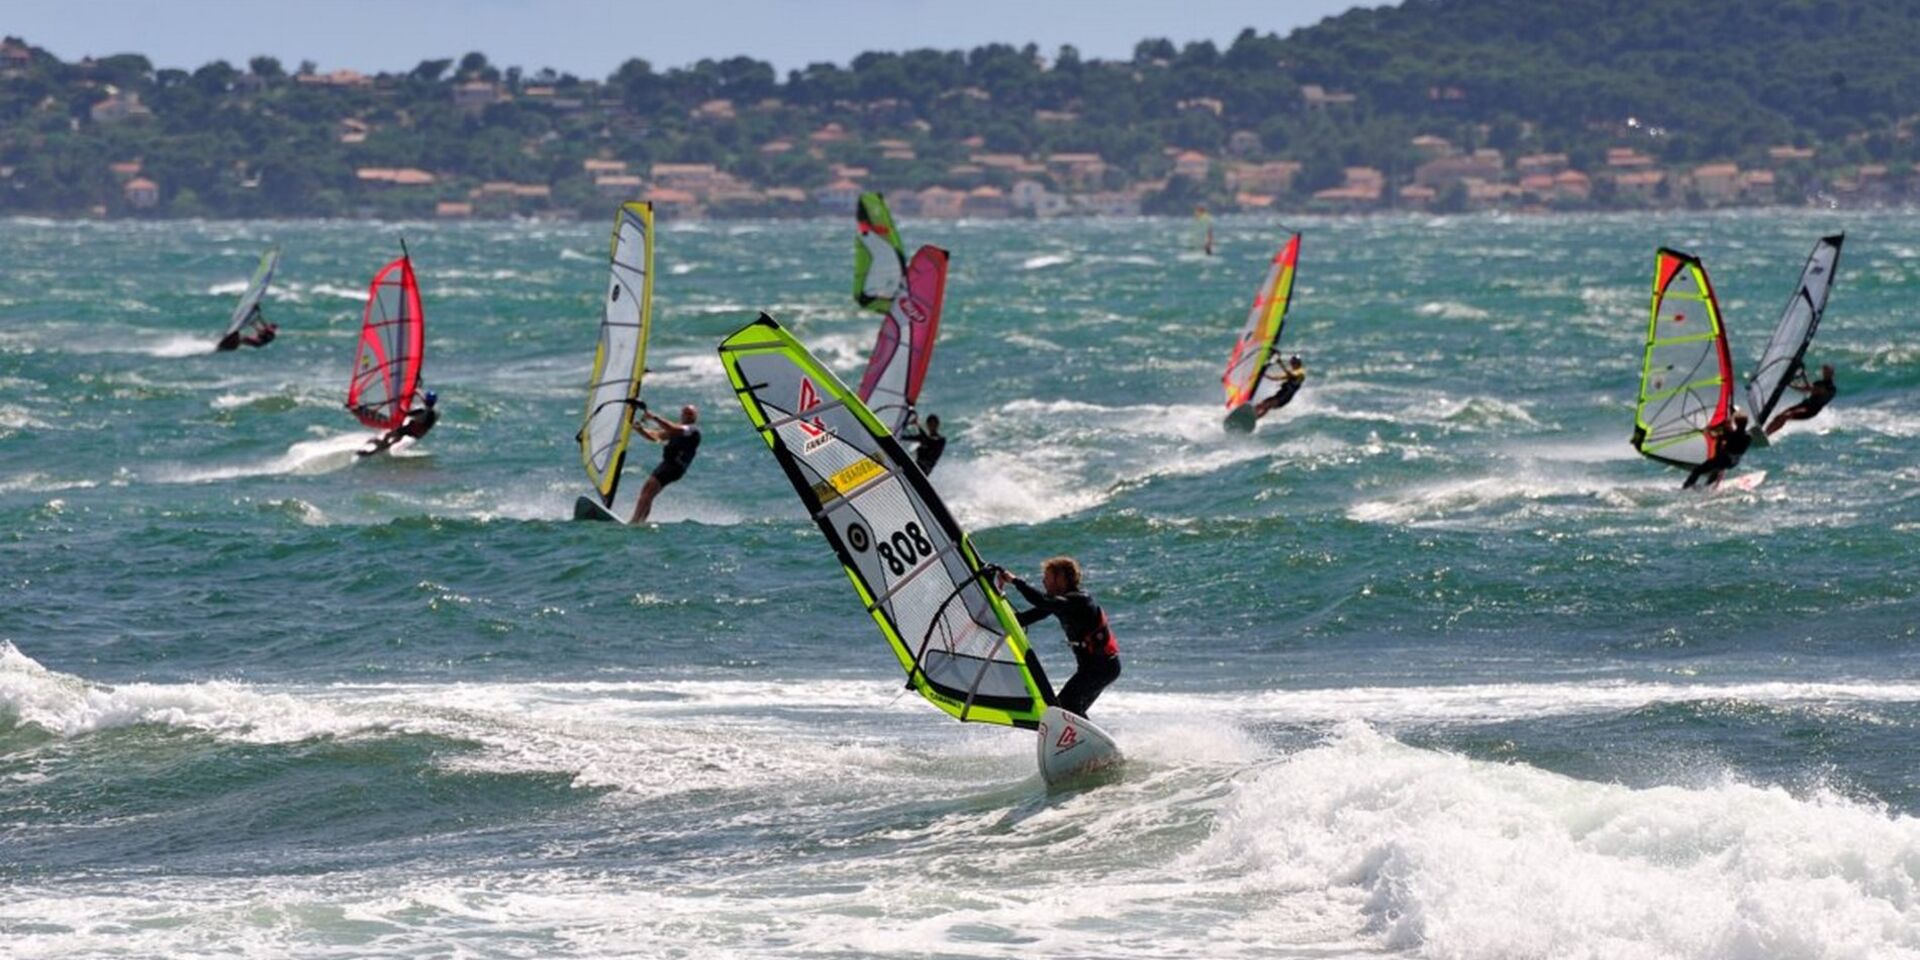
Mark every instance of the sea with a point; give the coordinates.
(1433, 664)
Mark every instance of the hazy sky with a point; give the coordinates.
(592, 37)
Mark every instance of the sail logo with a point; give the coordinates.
(815, 430)
(913, 310)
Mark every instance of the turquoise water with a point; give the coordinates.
(1431, 665)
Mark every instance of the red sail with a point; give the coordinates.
(386, 368)
(892, 382)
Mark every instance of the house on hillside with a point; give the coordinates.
(120, 108)
(1192, 164)
(838, 196)
(939, 203)
(141, 193)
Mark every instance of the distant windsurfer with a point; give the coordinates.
(1728, 446)
(1096, 654)
(928, 442)
(263, 334)
(683, 442)
(419, 420)
(1291, 377)
(1819, 393)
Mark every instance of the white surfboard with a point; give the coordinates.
(1071, 747)
(587, 508)
(1744, 483)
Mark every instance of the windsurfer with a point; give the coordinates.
(928, 442)
(682, 440)
(1819, 393)
(419, 420)
(1291, 376)
(263, 332)
(1728, 446)
(1096, 654)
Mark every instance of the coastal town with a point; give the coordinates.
(115, 137)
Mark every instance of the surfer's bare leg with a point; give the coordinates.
(644, 505)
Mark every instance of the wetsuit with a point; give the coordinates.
(1819, 393)
(261, 339)
(1733, 444)
(1288, 388)
(419, 420)
(927, 447)
(1096, 654)
(678, 455)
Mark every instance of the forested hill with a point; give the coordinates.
(1719, 75)
(1626, 101)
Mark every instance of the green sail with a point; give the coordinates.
(879, 258)
(914, 569)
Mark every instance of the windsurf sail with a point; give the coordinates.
(879, 258)
(1787, 350)
(620, 360)
(914, 569)
(249, 305)
(898, 367)
(1686, 377)
(386, 367)
(1254, 351)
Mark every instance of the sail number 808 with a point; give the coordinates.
(904, 548)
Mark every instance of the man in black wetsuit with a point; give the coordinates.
(682, 440)
(1291, 377)
(1819, 393)
(263, 334)
(1096, 654)
(1728, 446)
(927, 440)
(419, 420)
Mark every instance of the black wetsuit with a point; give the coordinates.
(678, 456)
(1732, 446)
(419, 420)
(1284, 396)
(1096, 655)
(1819, 393)
(261, 339)
(927, 448)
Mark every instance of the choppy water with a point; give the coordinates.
(1433, 665)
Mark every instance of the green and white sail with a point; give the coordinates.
(1787, 349)
(879, 258)
(1686, 374)
(912, 567)
(620, 359)
(249, 305)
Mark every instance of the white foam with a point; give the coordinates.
(1451, 310)
(304, 457)
(1450, 857)
(1046, 260)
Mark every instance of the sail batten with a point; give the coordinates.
(620, 356)
(1686, 372)
(1259, 339)
(1786, 350)
(913, 569)
(386, 367)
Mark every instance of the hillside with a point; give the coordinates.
(1444, 104)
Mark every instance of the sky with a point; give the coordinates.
(590, 38)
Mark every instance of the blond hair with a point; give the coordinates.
(1066, 568)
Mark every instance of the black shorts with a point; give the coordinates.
(667, 473)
